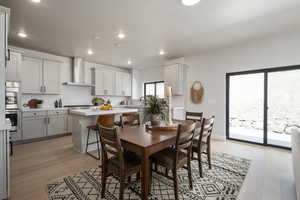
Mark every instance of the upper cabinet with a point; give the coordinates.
(13, 65)
(31, 75)
(123, 84)
(174, 77)
(110, 82)
(40, 76)
(51, 77)
(104, 82)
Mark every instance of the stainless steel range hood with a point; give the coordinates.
(78, 74)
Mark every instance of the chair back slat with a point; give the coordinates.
(185, 135)
(130, 119)
(111, 144)
(194, 116)
(206, 129)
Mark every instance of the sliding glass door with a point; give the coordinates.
(246, 107)
(263, 105)
(283, 106)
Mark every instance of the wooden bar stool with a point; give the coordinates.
(103, 120)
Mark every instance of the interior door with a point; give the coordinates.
(283, 106)
(246, 107)
(51, 77)
(31, 75)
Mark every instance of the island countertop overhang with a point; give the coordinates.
(94, 112)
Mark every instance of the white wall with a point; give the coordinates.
(210, 69)
(70, 95)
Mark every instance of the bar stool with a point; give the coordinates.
(104, 120)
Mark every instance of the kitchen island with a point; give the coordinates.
(81, 118)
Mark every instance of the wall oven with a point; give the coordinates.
(12, 108)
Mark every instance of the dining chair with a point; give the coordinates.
(116, 162)
(176, 157)
(202, 142)
(104, 120)
(195, 116)
(129, 119)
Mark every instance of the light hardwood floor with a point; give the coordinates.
(36, 164)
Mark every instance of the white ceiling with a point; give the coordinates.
(69, 27)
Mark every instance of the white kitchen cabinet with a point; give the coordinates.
(123, 84)
(51, 77)
(57, 125)
(40, 76)
(33, 127)
(39, 124)
(13, 65)
(88, 68)
(31, 76)
(104, 82)
(174, 77)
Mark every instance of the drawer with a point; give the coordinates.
(57, 112)
(35, 114)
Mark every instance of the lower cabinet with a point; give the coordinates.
(33, 128)
(35, 125)
(57, 125)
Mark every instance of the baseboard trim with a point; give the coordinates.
(218, 137)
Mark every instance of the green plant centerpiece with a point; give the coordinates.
(156, 109)
(39, 103)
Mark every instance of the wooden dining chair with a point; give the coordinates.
(202, 142)
(115, 161)
(194, 116)
(178, 156)
(129, 119)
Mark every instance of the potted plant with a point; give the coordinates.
(156, 109)
(39, 103)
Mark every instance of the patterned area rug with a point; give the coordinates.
(222, 182)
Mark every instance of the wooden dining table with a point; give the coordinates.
(144, 144)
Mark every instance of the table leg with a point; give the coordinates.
(145, 176)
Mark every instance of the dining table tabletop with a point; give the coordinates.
(145, 143)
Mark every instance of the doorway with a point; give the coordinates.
(263, 106)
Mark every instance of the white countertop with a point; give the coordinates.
(41, 109)
(93, 112)
(6, 126)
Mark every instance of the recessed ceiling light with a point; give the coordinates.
(36, 1)
(121, 35)
(90, 52)
(97, 37)
(189, 2)
(129, 62)
(161, 52)
(22, 34)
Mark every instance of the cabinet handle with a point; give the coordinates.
(44, 88)
(48, 120)
(8, 56)
(41, 89)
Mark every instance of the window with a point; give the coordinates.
(155, 88)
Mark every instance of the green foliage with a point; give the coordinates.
(156, 106)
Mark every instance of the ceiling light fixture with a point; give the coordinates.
(189, 2)
(161, 52)
(22, 35)
(36, 1)
(121, 35)
(129, 62)
(90, 52)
